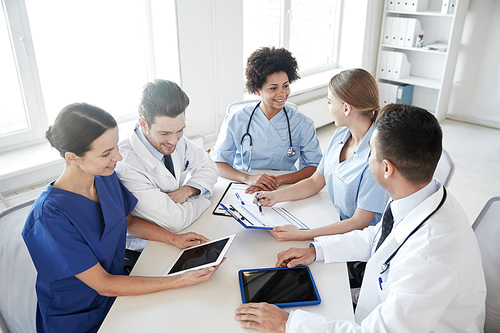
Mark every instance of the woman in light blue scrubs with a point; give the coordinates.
(353, 101)
(75, 231)
(267, 135)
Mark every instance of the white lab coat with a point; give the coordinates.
(149, 181)
(435, 283)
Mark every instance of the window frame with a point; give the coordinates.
(286, 17)
(28, 79)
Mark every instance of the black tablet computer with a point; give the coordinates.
(201, 256)
(281, 286)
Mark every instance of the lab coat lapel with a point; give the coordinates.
(149, 161)
(369, 297)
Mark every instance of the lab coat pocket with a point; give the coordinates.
(383, 287)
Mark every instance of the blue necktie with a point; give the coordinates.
(387, 224)
(167, 160)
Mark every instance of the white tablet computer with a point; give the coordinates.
(200, 256)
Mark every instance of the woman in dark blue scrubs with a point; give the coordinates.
(76, 229)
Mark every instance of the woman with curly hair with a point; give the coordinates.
(270, 134)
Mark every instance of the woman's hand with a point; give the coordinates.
(196, 276)
(266, 199)
(265, 182)
(288, 233)
(188, 239)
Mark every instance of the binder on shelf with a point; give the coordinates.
(391, 4)
(451, 6)
(417, 5)
(404, 94)
(394, 93)
(383, 91)
(395, 30)
(402, 66)
(403, 23)
(398, 5)
(382, 64)
(389, 66)
(444, 6)
(406, 6)
(413, 29)
(388, 30)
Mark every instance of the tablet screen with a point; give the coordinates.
(204, 255)
(281, 286)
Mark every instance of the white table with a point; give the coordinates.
(210, 306)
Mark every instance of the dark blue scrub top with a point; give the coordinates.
(66, 234)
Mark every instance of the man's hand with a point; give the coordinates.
(188, 239)
(183, 193)
(294, 257)
(262, 317)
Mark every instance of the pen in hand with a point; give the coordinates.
(258, 203)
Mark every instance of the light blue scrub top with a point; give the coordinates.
(270, 140)
(350, 184)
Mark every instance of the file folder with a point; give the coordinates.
(395, 30)
(382, 64)
(418, 5)
(389, 20)
(405, 94)
(403, 23)
(401, 67)
(413, 29)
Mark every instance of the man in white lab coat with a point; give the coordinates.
(171, 177)
(426, 275)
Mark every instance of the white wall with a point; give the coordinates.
(211, 60)
(476, 92)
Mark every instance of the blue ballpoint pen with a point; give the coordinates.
(258, 203)
(239, 198)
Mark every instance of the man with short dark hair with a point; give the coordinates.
(171, 177)
(424, 270)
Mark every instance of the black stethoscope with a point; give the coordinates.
(386, 264)
(290, 152)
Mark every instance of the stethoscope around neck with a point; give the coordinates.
(387, 263)
(290, 152)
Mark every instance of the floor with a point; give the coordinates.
(475, 150)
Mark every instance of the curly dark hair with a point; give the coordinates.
(266, 61)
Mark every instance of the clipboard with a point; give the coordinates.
(239, 205)
(229, 198)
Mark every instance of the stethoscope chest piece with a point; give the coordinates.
(290, 152)
(383, 268)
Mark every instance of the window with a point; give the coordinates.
(59, 52)
(308, 28)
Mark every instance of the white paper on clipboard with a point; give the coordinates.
(271, 217)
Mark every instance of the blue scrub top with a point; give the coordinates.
(66, 234)
(350, 184)
(270, 140)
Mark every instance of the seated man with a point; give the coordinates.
(424, 271)
(171, 177)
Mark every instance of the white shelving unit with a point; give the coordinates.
(431, 71)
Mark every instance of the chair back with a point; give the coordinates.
(18, 274)
(445, 169)
(487, 230)
(238, 105)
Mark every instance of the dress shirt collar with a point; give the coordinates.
(152, 150)
(363, 149)
(402, 207)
